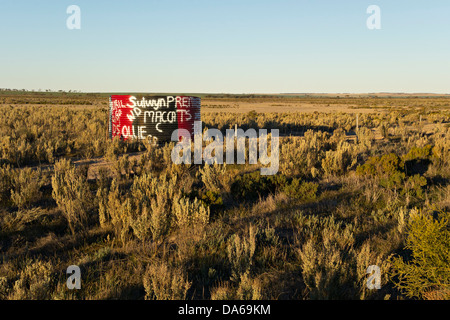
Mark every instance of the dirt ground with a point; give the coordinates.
(266, 107)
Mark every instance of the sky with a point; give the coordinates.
(226, 46)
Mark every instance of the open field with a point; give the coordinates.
(346, 196)
(324, 103)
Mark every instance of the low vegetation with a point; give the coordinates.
(140, 227)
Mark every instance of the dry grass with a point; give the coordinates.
(141, 227)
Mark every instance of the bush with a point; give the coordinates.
(252, 186)
(440, 151)
(212, 200)
(223, 292)
(386, 165)
(34, 282)
(301, 190)
(151, 210)
(418, 153)
(215, 177)
(393, 181)
(5, 182)
(302, 157)
(413, 186)
(149, 206)
(327, 257)
(249, 289)
(389, 171)
(240, 253)
(25, 186)
(20, 219)
(323, 269)
(417, 160)
(189, 213)
(164, 282)
(72, 195)
(339, 161)
(427, 273)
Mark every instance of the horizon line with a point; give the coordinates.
(230, 93)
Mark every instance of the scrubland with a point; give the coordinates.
(348, 194)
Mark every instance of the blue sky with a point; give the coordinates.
(226, 46)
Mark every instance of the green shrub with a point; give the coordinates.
(251, 186)
(301, 190)
(212, 200)
(418, 153)
(385, 165)
(427, 272)
(389, 171)
(417, 160)
(393, 181)
(268, 236)
(414, 186)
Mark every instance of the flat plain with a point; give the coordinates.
(363, 180)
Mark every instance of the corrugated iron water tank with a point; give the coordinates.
(152, 117)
